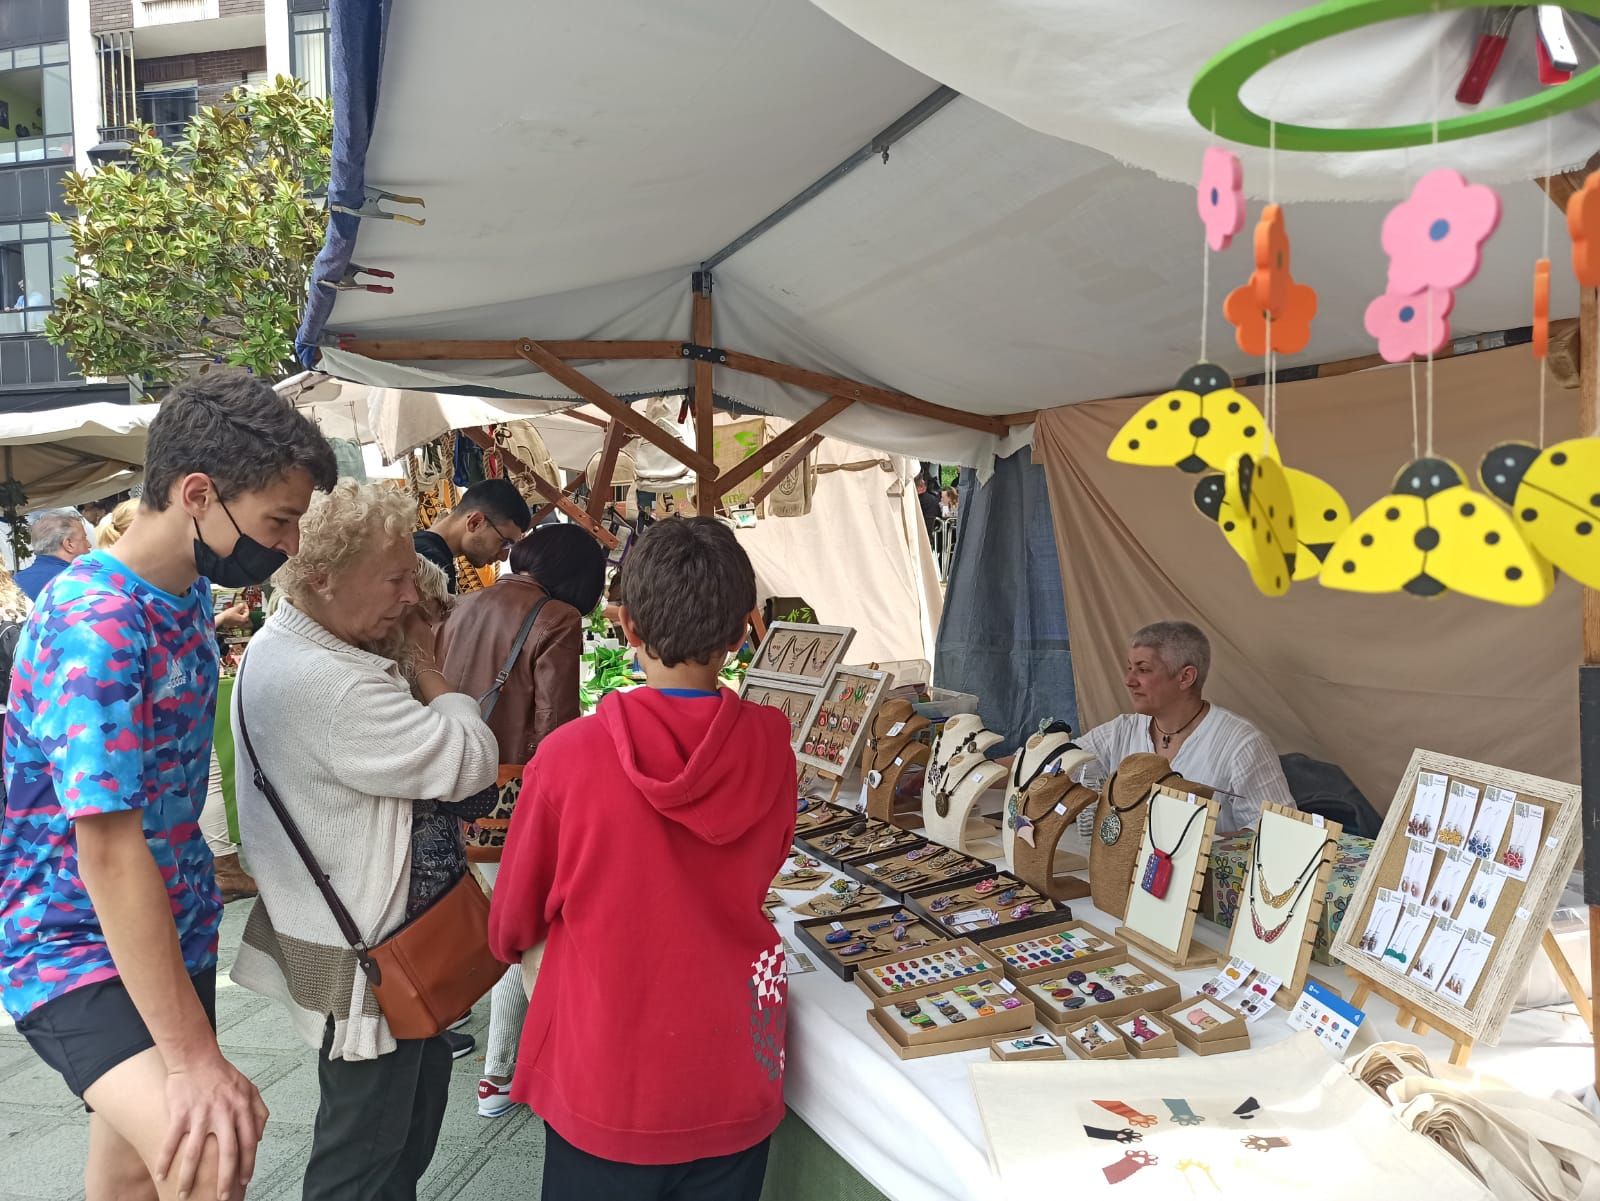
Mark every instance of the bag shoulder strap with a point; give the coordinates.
(341, 915)
(492, 696)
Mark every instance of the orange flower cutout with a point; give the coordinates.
(1291, 325)
(1541, 308)
(1272, 278)
(1583, 223)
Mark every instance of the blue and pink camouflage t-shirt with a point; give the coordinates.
(111, 707)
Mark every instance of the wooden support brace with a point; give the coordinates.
(570, 377)
(793, 436)
(600, 490)
(548, 508)
(783, 469)
(480, 438)
(703, 394)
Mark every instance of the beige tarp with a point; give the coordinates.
(1359, 680)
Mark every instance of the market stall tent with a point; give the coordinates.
(63, 457)
(966, 260)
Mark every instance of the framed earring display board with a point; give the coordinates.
(796, 702)
(1445, 926)
(842, 719)
(800, 654)
(1284, 891)
(1168, 875)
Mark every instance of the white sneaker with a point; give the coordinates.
(494, 1100)
(461, 1022)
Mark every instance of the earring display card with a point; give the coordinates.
(804, 654)
(1490, 824)
(841, 720)
(1381, 924)
(1436, 953)
(1522, 834)
(1461, 804)
(928, 970)
(1484, 896)
(1108, 990)
(1148, 1036)
(1407, 937)
(1327, 1015)
(1449, 883)
(1427, 810)
(820, 817)
(1418, 871)
(1527, 824)
(920, 867)
(845, 944)
(1000, 903)
(1096, 1038)
(1461, 977)
(1051, 950)
(795, 701)
(1028, 1047)
(842, 897)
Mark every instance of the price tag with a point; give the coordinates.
(1319, 821)
(1008, 986)
(1062, 809)
(1551, 843)
(871, 867)
(1523, 915)
(838, 926)
(895, 729)
(898, 760)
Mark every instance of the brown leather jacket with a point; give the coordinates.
(542, 690)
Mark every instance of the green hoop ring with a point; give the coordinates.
(1214, 97)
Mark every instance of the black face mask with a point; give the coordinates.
(249, 563)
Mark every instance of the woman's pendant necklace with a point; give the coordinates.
(1166, 738)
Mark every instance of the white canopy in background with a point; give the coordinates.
(69, 456)
(605, 149)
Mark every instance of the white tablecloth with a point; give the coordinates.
(911, 1127)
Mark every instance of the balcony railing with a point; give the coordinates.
(171, 12)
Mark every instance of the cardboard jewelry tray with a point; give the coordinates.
(972, 1031)
(814, 932)
(1022, 969)
(964, 898)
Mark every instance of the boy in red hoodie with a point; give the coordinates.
(640, 852)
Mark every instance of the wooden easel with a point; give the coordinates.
(1462, 1043)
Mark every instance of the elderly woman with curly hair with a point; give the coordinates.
(363, 764)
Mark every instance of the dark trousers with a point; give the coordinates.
(574, 1175)
(378, 1122)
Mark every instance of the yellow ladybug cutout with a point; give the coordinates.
(1320, 516)
(1253, 505)
(1200, 424)
(1554, 497)
(1433, 534)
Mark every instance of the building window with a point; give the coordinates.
(35, 104)
(35, 257)
(308, 51)
(167, 108)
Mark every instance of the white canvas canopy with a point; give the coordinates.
(64, 457)
(605, 151)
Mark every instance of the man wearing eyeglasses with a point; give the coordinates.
(490, 518)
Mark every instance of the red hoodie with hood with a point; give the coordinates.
(640, 851)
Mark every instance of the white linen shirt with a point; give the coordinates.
(1224, 751)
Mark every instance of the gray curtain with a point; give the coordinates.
(1004, 631)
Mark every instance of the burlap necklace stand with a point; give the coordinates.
(1127, 791)
(957, 751)
(1051, 803)
(886, 758)
(1041, 756)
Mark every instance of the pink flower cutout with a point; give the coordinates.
(1435, 238)
(1220, 197)
(1406, 327)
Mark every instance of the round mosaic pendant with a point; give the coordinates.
(1111, 828)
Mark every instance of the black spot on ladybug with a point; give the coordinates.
(1585, 528)
(1133, 444)
(1249, 431)
(1513, 573)
(1392, 514)
(1366, 539)
(1426, 539)
(1424, 585)
(1175, 405)
(1329, 515)
(1229, 526)
(1468, 509)
(1492, 537)
(1348, 567)
(1233, 406)
(1559, 459)
(1151, 424)
(1529, 514)
(1199, 427)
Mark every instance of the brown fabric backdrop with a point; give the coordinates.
(1357, 680)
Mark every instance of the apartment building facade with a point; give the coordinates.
(73, 75)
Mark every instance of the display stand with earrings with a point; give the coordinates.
(959, 772)
(894, 744)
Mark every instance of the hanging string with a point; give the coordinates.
(1205, 270)
(1544, 253)
(1271, 393)
(1416, 433)
(1434, 157)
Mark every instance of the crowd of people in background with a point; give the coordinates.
(398, 739)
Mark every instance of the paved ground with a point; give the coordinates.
(44, 1132)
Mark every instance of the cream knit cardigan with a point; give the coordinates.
(349, 749)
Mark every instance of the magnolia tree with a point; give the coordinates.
(199, 252)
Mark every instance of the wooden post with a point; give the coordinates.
(705, 483)
(480, 438)
(775, 477)
(548, 507)
(599, 490)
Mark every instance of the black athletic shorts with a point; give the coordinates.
(85, 1033)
